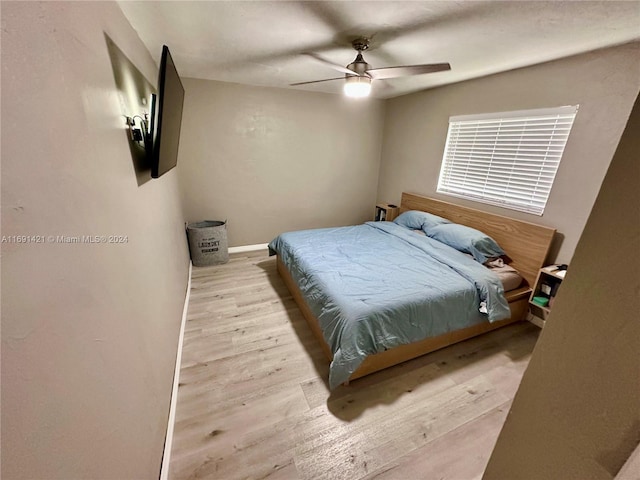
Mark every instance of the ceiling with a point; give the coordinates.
(263, 42)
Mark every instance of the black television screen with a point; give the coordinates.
(166, 117)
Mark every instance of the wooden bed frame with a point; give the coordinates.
(526, 244)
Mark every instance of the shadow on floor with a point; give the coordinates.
(507, 344)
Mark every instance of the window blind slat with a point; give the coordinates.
(508, 159)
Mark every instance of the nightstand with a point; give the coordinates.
(386, 212)
(544, 292)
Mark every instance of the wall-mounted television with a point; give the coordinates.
(166, 117)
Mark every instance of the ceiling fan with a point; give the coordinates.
(359, 74)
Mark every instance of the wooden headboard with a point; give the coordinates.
(527, 244)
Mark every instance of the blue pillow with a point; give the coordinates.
(417, 220)
(467, 240)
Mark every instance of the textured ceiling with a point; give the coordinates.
(262, 42)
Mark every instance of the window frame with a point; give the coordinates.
(515, 177)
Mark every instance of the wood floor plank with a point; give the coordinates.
(352, 450)
(254, 402)
(461, 454)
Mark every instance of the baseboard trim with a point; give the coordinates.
(249, 248)
(166, 456)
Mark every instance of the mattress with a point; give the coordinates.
(376, 286)
(509, 276)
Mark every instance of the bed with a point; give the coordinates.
(381, 293)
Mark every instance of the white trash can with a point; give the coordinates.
(208, 243)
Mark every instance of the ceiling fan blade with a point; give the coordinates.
(335, 66)
(393, 72)
(315, 81)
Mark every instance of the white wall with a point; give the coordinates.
(271, 160)
(89, 331)
(604, 84)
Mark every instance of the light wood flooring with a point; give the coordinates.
(253, 401)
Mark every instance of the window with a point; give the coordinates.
(507, 159)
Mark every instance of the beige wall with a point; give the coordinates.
(89, 332)
(271, 160)
(577, 411)
(603, 83)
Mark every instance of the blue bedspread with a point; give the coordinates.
(378, 285)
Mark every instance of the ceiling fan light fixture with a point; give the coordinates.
(359, 73)
(357, 87)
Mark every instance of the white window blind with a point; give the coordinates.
(508, 159)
